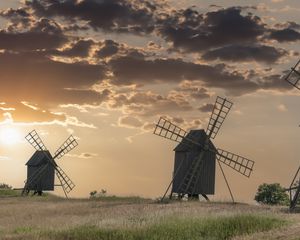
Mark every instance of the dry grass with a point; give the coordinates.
(22, 218)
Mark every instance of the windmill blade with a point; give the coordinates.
(221, 108)
(166, 129)
(293, 76)
(34, 139)
(66, 183)
(66, 147)
(240, 164)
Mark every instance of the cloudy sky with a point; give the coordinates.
(105, 70)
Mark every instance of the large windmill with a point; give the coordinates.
(293, 77)
(196, 156)
(42, 167)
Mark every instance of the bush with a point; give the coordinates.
(5, 186)
(272, 194)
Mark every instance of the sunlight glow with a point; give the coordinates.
(9, 136)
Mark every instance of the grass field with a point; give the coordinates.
(135, 218)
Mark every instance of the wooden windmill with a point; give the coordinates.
(196, 156)
(293, 77)
(42, 167)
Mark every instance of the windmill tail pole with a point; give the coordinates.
(231, 195)
(177, 171)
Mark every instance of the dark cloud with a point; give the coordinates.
(35, 78)
(19, 18)
(108, 15)
(237, 53)
(291, 25)
(129, 70)
(80, 48)
(43, 34)
(208, 107)
(285, 35)
(15, 13)
(275, 82)
(193, 32)
(108, 49)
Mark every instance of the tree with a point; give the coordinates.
(93, 194)
(271, 194)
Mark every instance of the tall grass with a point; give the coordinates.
(219, 228)
(6, 192)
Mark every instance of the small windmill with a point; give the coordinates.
(41, 167)
(196, 156)
(293, 77)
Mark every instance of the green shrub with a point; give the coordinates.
(272, 194)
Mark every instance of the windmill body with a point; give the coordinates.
(46, 181)
(184, 157)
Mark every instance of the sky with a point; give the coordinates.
(106, 70)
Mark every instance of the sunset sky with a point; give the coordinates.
(105, 70)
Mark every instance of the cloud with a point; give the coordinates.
(66, 122)
(238, 53)
(191, 31)
(193, 90)
(4, 158)
(44, 81)
(79, 48)
(282, 108)
(42, 34)
(108, 49)
(85, 155)
(285, 35)
(138, 71)
(149, 104)
(130, 122)
(107, 15)
(207, 107)
(24, 112)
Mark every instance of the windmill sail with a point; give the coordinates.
(34, 139)
(221, 109)
(238, 163)
(66, 147)
(66, 183)
(293, 77)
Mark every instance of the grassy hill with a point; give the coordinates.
(136, 218)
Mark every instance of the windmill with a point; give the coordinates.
(42, 167)
(293, 77)
(196, 156)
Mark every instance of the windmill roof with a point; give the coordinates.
(39, 158)
(197, 136)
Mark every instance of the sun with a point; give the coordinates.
(9, 135)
